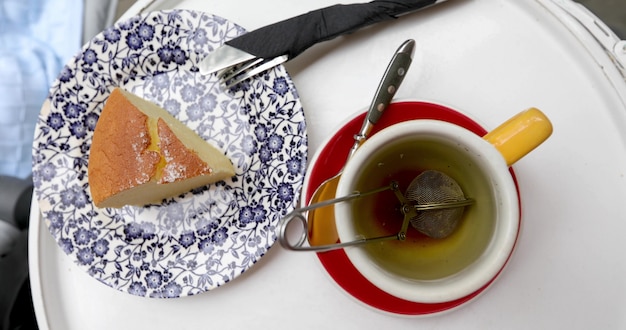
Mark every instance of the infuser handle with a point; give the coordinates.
(297, 214)
(302, 233)
(299, 245)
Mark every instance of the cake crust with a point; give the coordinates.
(180, 162)
(128, 157)
(141, 155)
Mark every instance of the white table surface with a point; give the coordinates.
(487, 58)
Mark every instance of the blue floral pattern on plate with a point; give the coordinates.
(202, 239)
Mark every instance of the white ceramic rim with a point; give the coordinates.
(488, 265)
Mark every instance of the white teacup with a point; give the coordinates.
(422, 269)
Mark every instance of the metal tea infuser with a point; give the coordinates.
(388, 86)
(433, 204)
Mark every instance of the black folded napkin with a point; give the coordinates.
(295, 35)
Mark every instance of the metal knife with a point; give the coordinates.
(291, 37)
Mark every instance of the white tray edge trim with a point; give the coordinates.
(596, 37)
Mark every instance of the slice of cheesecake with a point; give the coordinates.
(141, 154)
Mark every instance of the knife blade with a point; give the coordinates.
(292, 36)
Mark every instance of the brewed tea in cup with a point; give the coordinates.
(420, 268)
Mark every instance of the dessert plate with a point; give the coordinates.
(324, 165)
(197, 241)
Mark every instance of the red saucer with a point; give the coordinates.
(330, 161)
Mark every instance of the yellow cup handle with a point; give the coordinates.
(520, 135)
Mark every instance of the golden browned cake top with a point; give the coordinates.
(180, 162)
(119, 157)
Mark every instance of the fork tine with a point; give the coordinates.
(250, 69)
(233, 71)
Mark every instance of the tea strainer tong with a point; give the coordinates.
(433, 204)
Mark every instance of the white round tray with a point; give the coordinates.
(487, 58)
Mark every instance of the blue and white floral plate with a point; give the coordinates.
(207, 237)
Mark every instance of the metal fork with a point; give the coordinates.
(268, 46)
(231, 77)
